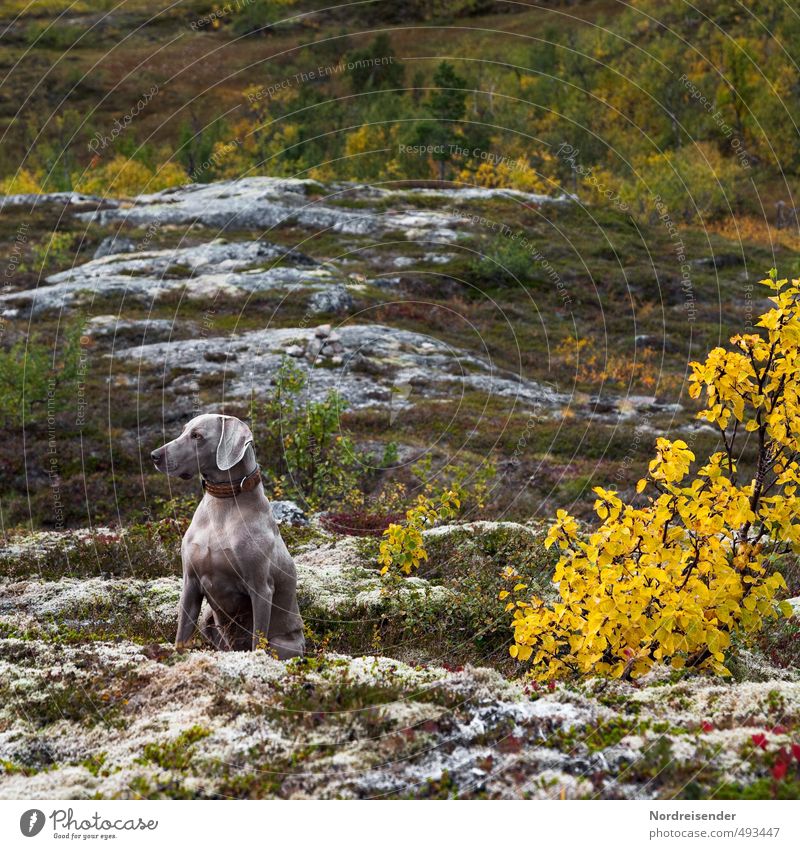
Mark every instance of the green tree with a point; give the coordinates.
(447, 106)
(196, 145)
(258, 17)
(375, 67)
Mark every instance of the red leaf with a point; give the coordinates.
(796, 750)
(760, 740)
(510, 745)
(707, 726)
(779, 770)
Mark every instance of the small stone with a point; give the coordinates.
(322, 331)
(288, 513)
(654, 343)
(331, 348)
(190, 387)
(295, 351)
(313, 348)
(114, 245)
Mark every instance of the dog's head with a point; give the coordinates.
(209, 444)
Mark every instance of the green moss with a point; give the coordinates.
(598, 736)
(95, 764)
(176, 754)
(438, 788)
(11, 768)
(178, 270)
(761, 788)
(298, 537)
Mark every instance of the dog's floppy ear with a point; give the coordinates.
(234, 438)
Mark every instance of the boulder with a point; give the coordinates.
(288, 513)
(335, 299)
(376, 359)
(114, 245)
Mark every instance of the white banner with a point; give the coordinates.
(563, 824)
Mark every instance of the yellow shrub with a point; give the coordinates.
(403, 547)
(367, 152)
(502, 175)
(514, 174)
(594, 366)
(123, 177)
(21, 183)
(167, 175)
(674, 580)
(677, 185)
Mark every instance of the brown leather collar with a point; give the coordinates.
(231, 490)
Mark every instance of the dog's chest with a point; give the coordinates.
(216, 546)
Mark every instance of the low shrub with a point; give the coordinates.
(674, 580)
(37, 377)
(359, 523)
(403, 548)
(310, 458)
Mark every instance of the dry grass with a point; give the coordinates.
(749, 230)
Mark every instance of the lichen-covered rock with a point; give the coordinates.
(200, 272)
(263, 203)
(332, 575)
(128, 721)
(334, 299)
(95, 702)
(332, 578)
(126, 332)
(376, 359)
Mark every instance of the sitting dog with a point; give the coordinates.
(233, 555)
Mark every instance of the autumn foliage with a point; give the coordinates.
(675, 579)
(403, 546)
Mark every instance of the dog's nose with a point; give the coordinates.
(156, 456)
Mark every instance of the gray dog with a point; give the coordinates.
(233, 554)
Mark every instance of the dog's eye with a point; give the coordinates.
(196, 435)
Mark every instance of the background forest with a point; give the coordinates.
(598, 99)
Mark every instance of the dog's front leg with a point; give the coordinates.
(189, 611)
(261, 601)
